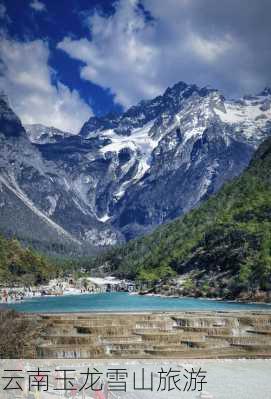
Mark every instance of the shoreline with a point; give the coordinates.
(151, 312)
(206, 298)
(162, 296)
(123, 303)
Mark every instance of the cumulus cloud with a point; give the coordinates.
(26, 78)
(38, 5)
(120, 54)
(147, 45)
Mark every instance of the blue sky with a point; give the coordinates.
(63, 61)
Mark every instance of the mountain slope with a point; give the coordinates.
(124, 175)
(20, 265)
(20, 214)
(224, 245)
(165, 155)
(160, 158)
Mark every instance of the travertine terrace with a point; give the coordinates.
(156, 335)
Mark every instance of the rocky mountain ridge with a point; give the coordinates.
(41, 134)
(122, 175)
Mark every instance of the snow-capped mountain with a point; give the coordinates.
(37, 201)
(165, 155)
(41, 134)
(125, 174)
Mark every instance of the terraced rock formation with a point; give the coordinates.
(156, 335)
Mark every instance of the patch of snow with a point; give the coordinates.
(53, 202)
(104, 218)
(140, 143)
(194, 131)
(250, 115)
(196, 115)
(120, 193)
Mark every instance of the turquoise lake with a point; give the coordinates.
(123, 302)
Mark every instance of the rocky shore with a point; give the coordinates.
(65, 286)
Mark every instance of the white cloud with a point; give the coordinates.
(119, 55)
(199, 42)
(209, 50)
(38, 5)
(138, 58)
(26, 78)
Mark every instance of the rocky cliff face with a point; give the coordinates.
(37, 201)
(125, 174)
(41, 134)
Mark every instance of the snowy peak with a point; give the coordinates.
(95, 124)
(182, 90)
(145, 111)
(125, 174)
(173, 123)
(41, 134)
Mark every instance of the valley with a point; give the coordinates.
(123, 175)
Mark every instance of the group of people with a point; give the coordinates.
(12, 296)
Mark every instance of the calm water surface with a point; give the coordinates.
(123, 302)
